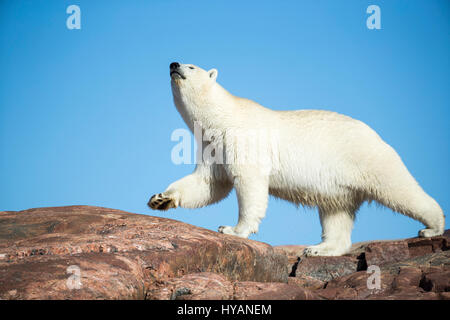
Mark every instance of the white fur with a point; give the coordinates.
(324, 159)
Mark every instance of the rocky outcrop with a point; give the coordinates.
(83, 252)
(415, 268)
(212, 286)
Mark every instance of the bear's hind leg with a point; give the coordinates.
(408, 198)
(426, 210)
(394, 187)
(337, 228)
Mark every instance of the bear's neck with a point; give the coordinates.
(207, 109)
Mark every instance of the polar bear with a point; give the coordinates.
(325, 160)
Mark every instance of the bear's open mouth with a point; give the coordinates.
(176, 72)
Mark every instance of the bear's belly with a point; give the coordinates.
(297, 196)
(311, 189)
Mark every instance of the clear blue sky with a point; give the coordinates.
(86, 115)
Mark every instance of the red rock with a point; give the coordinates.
(354, 286)
(326, 268)
(334, 293)
(407, 277)
(83, 252)
(421, 246)
(379, 253)
(307, 282)
(444, 295)
(412, 295)
(436, 280)
(248, 290)
(292, 251)
(120, 255)
(195, 286)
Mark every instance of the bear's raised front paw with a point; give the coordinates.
(161, 201)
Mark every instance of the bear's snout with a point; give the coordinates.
(174, 65)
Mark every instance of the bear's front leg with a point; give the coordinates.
(196, 190)
(252, 193)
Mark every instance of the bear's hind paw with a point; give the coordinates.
(426, 233)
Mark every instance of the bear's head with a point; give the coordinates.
(190, 79)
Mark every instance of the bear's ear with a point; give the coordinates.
(213, 74)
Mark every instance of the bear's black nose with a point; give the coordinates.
(174, 65)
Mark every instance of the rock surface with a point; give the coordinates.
(118, 254)
(83, 252)
(415, 268)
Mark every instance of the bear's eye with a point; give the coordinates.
(191, 68)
